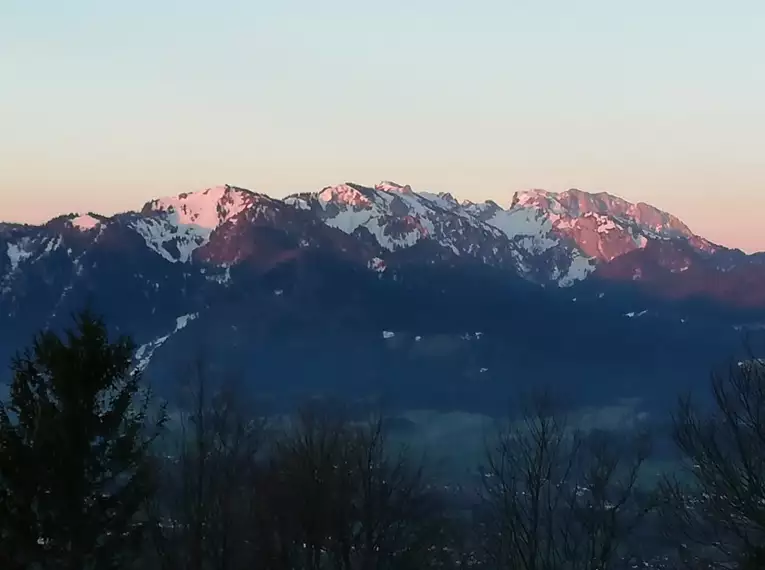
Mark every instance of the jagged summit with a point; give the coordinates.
(388, 186)
(378, 290)
(553, 236)
(545, 237)
(82, 222)
(175, 227)
(206, 209)
(345, 194)
(575, 210)
(577, 203)
(385, 284)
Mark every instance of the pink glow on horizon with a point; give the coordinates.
(654, 101)
(731, 223)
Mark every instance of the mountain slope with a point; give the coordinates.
(386, 290)
(545, 237)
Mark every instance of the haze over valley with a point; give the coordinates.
(412, 285)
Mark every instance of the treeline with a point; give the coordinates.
(94, 474)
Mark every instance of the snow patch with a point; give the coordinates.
(633, 314)
(206, 210)
(297, 202)
(85, 223)
(220, 278)
(478, 210)
(145, 353)
(579, 269)
(163, 237)
(181, 322)
(447, 203)
(393, 188)
(189, 220)
(532, 197)
(349, 220)
(53, 244)
(472, 336)
(356, 211)
(640, 240)
(528, 226)
(19, 252)
(376, 264)
(566, 223)
(344, 194)
(606, 226)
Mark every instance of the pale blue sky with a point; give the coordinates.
(105, 104)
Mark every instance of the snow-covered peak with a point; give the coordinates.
(207, 209)
(393, 187)
(176, 226)
(575, 211)
(85, 222)
(600, 226)
(575, 204)
(395, 220)
(541, 199)
(481, 210)
(344, 194)
(571, 203)
(445, 201)
(530, 228)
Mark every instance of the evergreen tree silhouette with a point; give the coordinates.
(75, 470)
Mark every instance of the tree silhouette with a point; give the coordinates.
(336, 494)
(714, 509)
(558, 499)
(75, 434)
(205, 509)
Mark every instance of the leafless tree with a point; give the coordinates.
(338, 496)
(320, 491)
(558, 499)
(715, 508)
(206, 505)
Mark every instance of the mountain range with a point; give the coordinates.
(418, 297)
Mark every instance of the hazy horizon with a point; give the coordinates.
(111, 105)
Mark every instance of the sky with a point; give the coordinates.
(105, 105)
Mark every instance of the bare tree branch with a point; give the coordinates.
(715, 512)
(555, 498)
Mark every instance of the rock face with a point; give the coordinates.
(356, 285)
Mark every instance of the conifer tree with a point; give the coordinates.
(75, 471)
